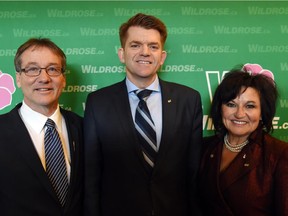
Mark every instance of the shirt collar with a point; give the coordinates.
(155, 86)
(37, 120)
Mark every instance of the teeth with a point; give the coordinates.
(143, 62)
(239, 122)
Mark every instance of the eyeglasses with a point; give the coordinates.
(35, 71)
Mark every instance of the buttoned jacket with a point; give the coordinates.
(117, 183)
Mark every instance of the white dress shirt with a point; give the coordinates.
(35, 124)
(154, 104)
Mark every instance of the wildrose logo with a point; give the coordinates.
(7, 88)
(213, 79)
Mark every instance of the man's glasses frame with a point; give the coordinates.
(34, 71)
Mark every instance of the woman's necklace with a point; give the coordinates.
(236, 148)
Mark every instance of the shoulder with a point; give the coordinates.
(12, 114)
(276, 154)
(108, 89)
(210, 142)
(11, 124)
(5, 116)
(211, 139)
(275, 146)
(177, 87)
(175, 90)
(104, 97)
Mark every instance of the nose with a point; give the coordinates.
(43, 76)
(240, 112)
(145, 50)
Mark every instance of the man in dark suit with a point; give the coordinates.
(122, 177)
(26, 189)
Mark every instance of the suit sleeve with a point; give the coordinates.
(93, 160)
(195, 152)
(281, 184)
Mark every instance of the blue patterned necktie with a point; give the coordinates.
(146, 129)
(55, 161)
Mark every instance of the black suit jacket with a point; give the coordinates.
(24, 186)
(116, 182)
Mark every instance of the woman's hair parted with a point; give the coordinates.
(232, 85)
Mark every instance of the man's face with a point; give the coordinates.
(41, 93)
(143, 55)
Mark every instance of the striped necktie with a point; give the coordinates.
(146, 129)
(55, 161)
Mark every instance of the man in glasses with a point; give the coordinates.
(40, 143)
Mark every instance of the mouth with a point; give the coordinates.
(43, 89)
(239, 122)
(143, 62)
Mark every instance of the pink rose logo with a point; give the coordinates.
(7, 88)
(254, 69)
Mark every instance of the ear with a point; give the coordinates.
(163, 57)
(64, 82)
(121, 55)
(18, 78)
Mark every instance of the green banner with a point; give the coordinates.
(205, 39)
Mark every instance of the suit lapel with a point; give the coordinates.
(168, 121)
(120, 100)
(120, 96)
(26, 150)
(73, 137)
(241, 165)
(75, 155)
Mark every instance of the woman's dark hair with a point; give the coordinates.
(144, 21)
(232, 85)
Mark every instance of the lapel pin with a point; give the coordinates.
(246, 165)
(244, 156)
(169, 101)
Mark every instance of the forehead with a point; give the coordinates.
(139, 34)
(41, 55)
(249, 94)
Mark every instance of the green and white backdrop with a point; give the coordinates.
(205, 39)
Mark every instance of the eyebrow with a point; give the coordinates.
(139, 42)
(36, 63)
(250, 101)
